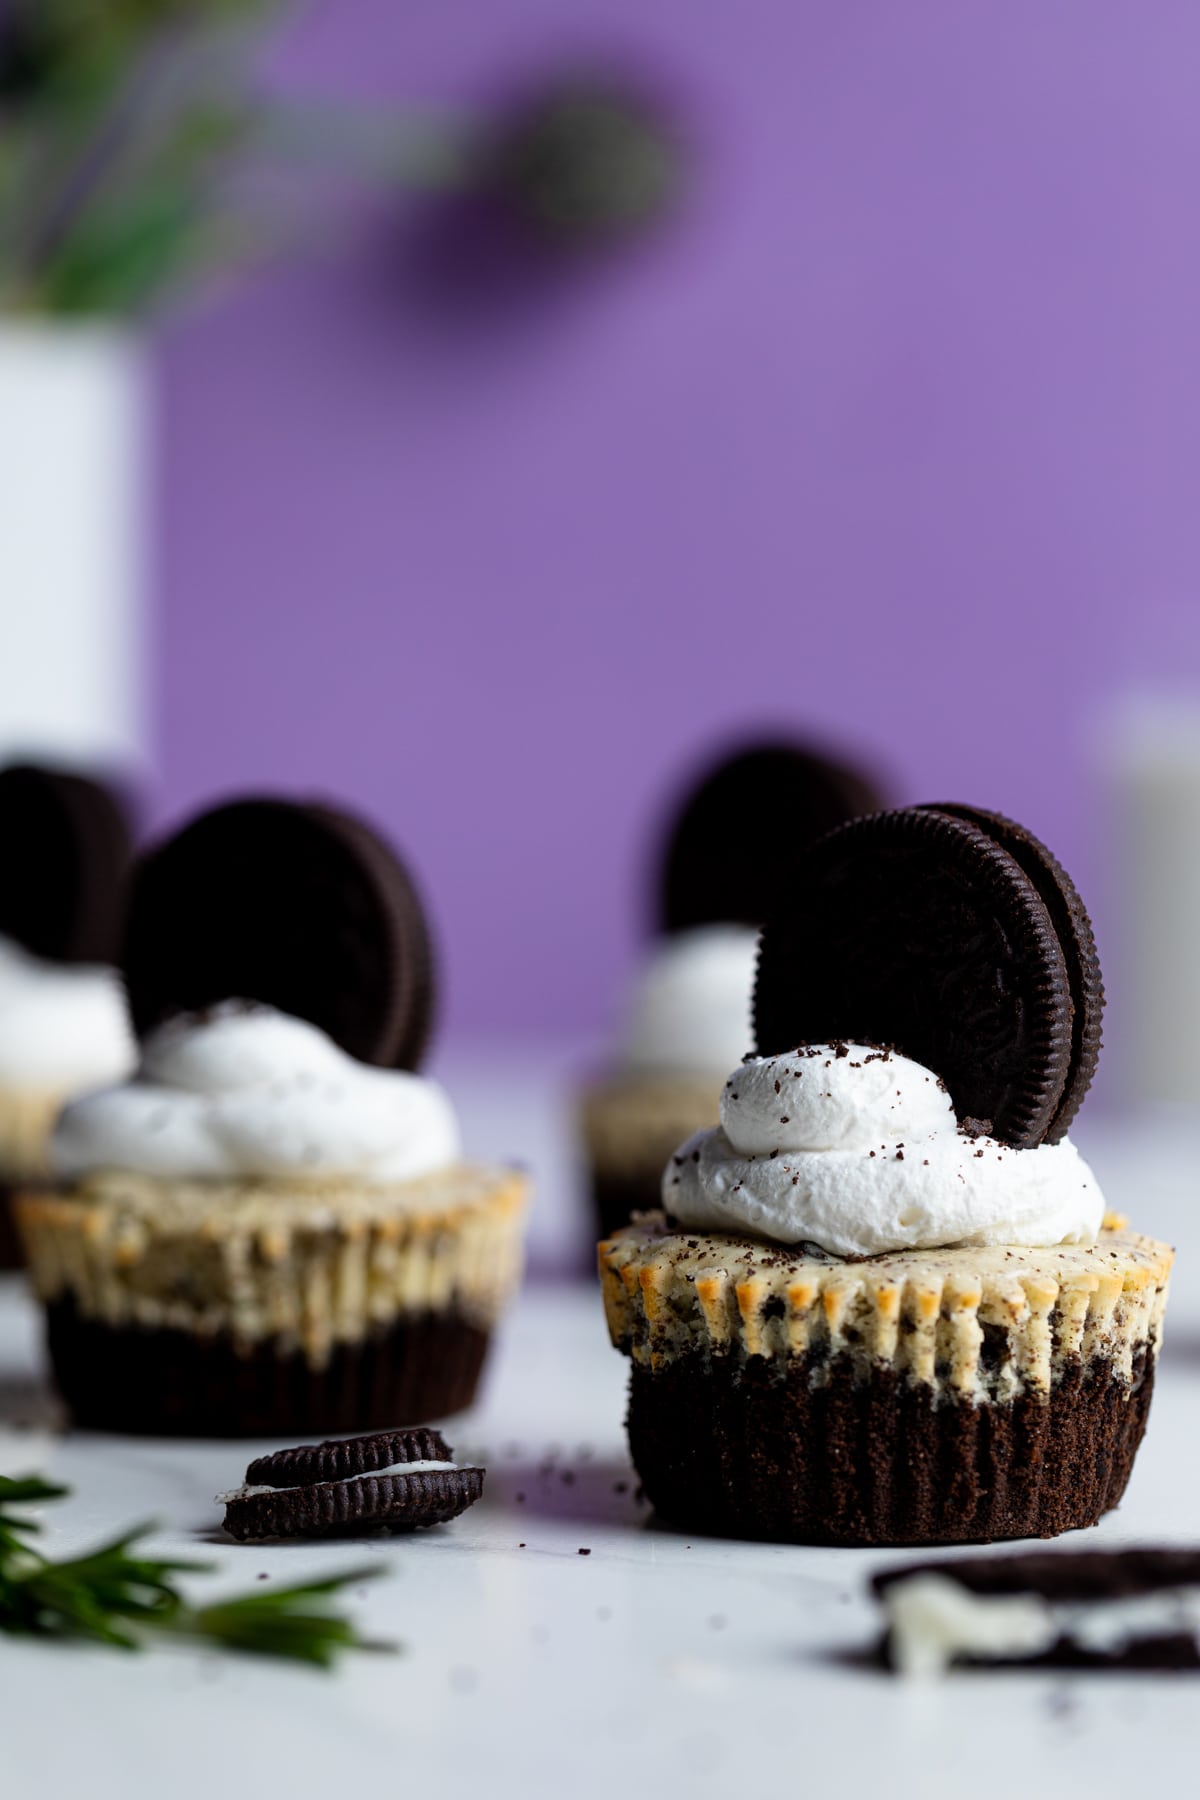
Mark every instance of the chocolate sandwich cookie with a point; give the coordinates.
(775, 793)
(66, 849)
(1078, 942)
(299, 906)
(926, 930)
(1088, 1609)
(391, 1481)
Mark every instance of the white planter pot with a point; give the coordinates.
(73, 534)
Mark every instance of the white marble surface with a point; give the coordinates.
(657, 1662)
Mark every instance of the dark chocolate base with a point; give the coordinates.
(173, 1383)
(12, 1256)
(615, 1198)
(739, 1449)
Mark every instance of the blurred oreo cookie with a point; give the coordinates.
(392, 1480)
(66, 846)
(739, 827)
(299, 906)
(955, 937)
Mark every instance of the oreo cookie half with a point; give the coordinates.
(296, 905)
(1074, 928)
(778, 796)
(921, 930)
(66, 848)
(392, 1480)
(1136, 1608)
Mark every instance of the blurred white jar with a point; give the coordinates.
(1153, 756)
(74, 481)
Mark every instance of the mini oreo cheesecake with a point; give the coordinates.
(687, 1016)
(271, 1229)
(884, 1302)
(64, 1025)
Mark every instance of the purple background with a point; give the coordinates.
(894, 436)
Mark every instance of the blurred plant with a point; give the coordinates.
(132, 133)
(584, 161)
(117, 118)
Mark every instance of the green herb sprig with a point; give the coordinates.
(114, 1596)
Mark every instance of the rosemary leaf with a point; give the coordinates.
(114, 1596)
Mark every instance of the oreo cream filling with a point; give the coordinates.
(934, 1621)
(252, 1492)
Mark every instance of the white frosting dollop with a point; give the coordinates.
(690, 1008)
(857, 1151)
(63, 1026)
(245, 1091)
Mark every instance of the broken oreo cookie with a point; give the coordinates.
(1087, 1609)
(390, 1481)
(930, 930)
(774, 793)
(298, 906)
(67, 850)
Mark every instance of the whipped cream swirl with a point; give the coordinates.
(63, 1026)
(857, 1151)
(244, 1091)
(690, 1010)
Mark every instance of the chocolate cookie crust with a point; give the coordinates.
(167, 1383)
(298, 906)
(10, 1241)
(919, 930)
(814, 1454)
